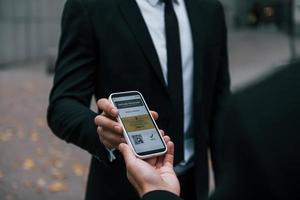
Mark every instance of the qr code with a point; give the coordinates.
(137, 139)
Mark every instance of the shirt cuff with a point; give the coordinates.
(103, 154)
(111, 155)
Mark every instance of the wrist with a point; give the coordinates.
(150, 188)
(147, 188)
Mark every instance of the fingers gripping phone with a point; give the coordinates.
(139, 128)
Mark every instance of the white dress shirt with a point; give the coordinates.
(153, 14)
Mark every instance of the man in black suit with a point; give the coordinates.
(258, 146)
(173, 51)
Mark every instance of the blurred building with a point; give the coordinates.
(296, 12)
(29, 29)
(255, 13)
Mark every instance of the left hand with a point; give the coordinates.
(151, 174)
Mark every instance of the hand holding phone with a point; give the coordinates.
(139, 128)
(151, 174)
(109, 129)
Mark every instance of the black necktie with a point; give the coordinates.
(174, 77)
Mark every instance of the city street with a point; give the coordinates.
(34, 164)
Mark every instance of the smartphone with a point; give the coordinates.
(139, 128)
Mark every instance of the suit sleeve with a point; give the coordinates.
(69, 116)
(222, 86)
(237, 160)
(228, 130)
(160, 194)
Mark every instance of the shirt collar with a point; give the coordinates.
(155, 2)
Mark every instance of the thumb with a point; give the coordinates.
(127, 153)
(169, 158)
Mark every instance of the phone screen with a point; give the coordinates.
(141, 130)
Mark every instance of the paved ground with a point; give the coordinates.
(254, 54)
(34, 164)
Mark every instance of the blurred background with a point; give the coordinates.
(34, 164)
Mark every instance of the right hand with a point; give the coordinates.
(109, 129)
(152, 174)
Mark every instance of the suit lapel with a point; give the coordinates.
(136, 23)
(195, 18)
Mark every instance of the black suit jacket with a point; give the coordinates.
(105, 47)
(258, 142)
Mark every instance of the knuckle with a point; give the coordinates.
(102, 134)
(102, 100)
(102, 120)
(101, 103)
(98, 119)
(111, 124)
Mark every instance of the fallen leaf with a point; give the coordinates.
(56, 159)
(57, 186)
(28, 164)
(41, 182)
(20, 134)
(9, 197)
(40, 185)
(39, 151)
(41, 122)
(5, 136)
(55, 153)
(39, 190)
(58, 163)
(34, 137)
(57, 174)
(15, 185)
(78, 169)
(27, 184)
